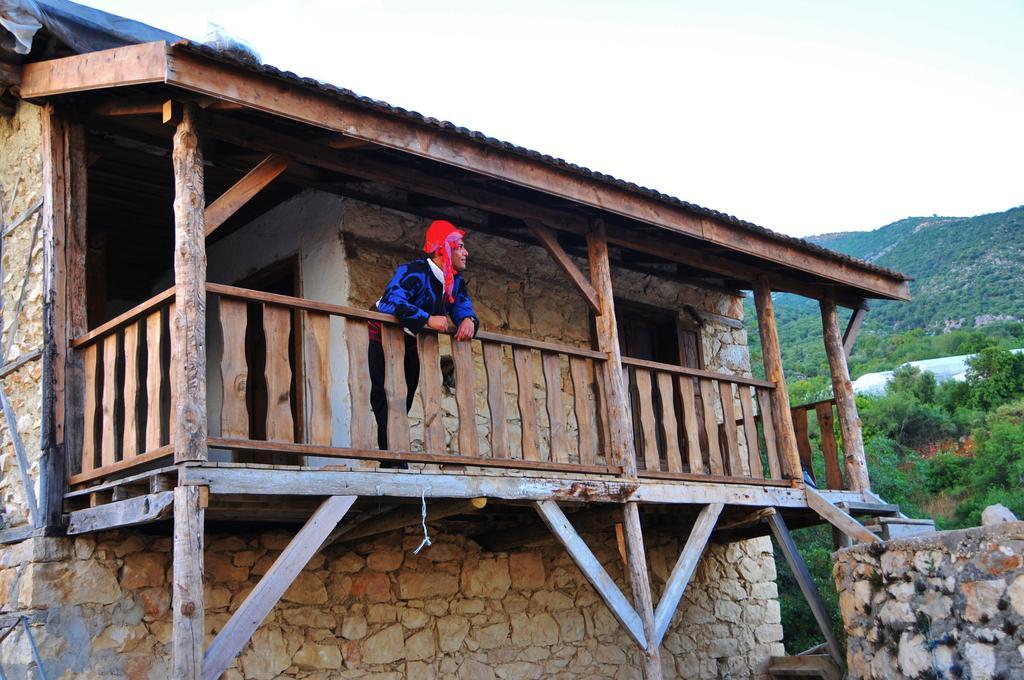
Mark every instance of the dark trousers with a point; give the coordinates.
(378, 397)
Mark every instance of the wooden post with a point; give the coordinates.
(189, 329)
(849, 422)
(781, 418)
(187, 636)
(640, 584)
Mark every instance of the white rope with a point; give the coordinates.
(423, 520)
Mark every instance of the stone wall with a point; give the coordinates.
(21, 181)
(99, 608)
(947, 605)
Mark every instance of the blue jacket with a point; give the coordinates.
(414, 294)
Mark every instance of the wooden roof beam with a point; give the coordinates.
(218, 212)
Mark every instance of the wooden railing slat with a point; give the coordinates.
(130, 445)
(393, 340)
(465, 397)
(669, 426)
(803, 442)
(750, 433)
(736, 466)
(493, 363)
(154, 376)
(278, 373)
(582, 373)
(108, 407)
(693, 453)
(360, 425)
(430, 392)
(522, 358)
(648, 423)
(771, 450)
(318, 377)
(89, 427)
(707, 394)
(169, 373)
(552, 367)
(234, 372)
(829, 446)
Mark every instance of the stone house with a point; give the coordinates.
(191, 483)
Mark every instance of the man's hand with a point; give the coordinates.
(465, 330)
(438, 323)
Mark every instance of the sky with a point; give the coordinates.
(804, 117)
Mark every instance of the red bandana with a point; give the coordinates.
(441, 236)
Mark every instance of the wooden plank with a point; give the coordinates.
(189, 328)
(131, 65)
(522, 358)
(853, 329)
(639, 583)
(407, 516)
(277, 328)
(550, 243)
(616, 398)
(393, 340)
(187, 632)
(683, 570)
(854, 458)
(736, 467)
(154, 374)
(430, 391)
(803, 441)
(829, 447)
(465, 397)
(591, 567)
(750, 433)
(693, 452)
(806, 583)
(782, 423)
(552, 367)
(582, 373)
(23, 466)
(493, 363)
(764, 402)
(694, 372)
(90, 356)
(648, 423)
(707, 393)
(228, 203)
(669, 426)
(361, 423)
(234, 371)
(108, 405)
(130, 440)
(126, 513)
(136, 312)
(318, 377)
(837, 518)
(261, 600)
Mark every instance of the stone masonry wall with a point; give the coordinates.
(99, 608)
(21, 181)
(947, 605)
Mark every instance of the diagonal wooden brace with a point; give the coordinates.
(237, 631)
(683, 571)
(548, 239)
(620, 607)
(218, 212)
(839, 519)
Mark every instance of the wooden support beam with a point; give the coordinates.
(187, 601)
(126, 513)
(620, 425)
(682, 572)
(782, 420)
(853, 329)
(806, 583)
(854, 457)
(118, 67)
(188, 331)
(550, 243)
(837, 518)
(28, 485)
(240, 627)
(592, 570)
(218, 212)
(409, 516)
(640, 584)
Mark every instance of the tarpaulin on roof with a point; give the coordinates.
(82, 29)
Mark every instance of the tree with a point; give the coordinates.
(996, 376)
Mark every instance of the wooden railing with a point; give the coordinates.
(555, 423)
(128, 390)
(823, 411)
(690, 422)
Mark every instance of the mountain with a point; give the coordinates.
(968, 271)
